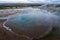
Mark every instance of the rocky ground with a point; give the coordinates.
(6, 35)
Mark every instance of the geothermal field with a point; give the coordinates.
(30, 23)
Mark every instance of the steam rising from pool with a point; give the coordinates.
(32, 14)
(30, 17)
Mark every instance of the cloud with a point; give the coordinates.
(28, 1)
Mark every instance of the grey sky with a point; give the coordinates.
(29, 1)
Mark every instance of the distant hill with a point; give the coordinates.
(5, 5)
(20, 4)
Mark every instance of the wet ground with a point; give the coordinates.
(6, 35)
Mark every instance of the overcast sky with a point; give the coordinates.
(28, 1)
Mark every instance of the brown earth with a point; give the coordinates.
(6, 35)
